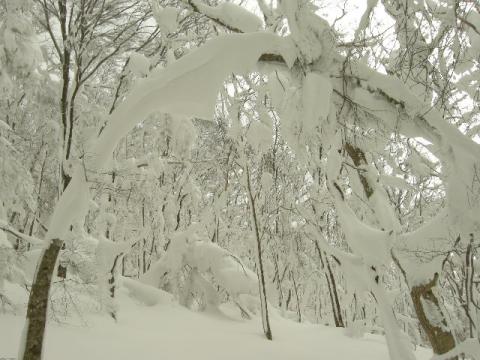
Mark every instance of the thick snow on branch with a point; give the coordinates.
(205, 258)
(311, 34)
(388, 98)
(399, 93)
(316, 94)
(188, 87)
(372, 244)
(431, 235)
(232, 15)
(4, 227)
(166, 17)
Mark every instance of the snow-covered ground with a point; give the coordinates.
(168, 331)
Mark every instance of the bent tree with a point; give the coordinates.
(325, 93)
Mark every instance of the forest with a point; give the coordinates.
(232, 179)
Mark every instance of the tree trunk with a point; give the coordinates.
(67, 127)
(260, 274)
(441, 340)
(112, 286)
(339, 319)
(38, 303)
(332, 288)
(295, 288)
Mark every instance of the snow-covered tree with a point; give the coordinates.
(194, 143)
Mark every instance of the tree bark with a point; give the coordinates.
(38, 303)
(65, 59)
(441, 340)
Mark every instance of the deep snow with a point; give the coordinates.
(168, 331)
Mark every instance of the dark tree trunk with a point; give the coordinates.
(332, 302)
(66, 57)
(441, 340)
(339, 319)
(38, 302)
(112, 284)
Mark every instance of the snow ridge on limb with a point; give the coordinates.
(311, 34)
(389, 90)
(188, 87)
(30, 239)
(234, 17)
(388, 98)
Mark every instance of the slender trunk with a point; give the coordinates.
(260, 274)
(469, 276)
(289, 297)
(144, 252)
(295, 288)
(332, 289)
(277, 281)
(339, 322)
(334, 310)
(38, 303)
(112, 285)
(150, 255)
